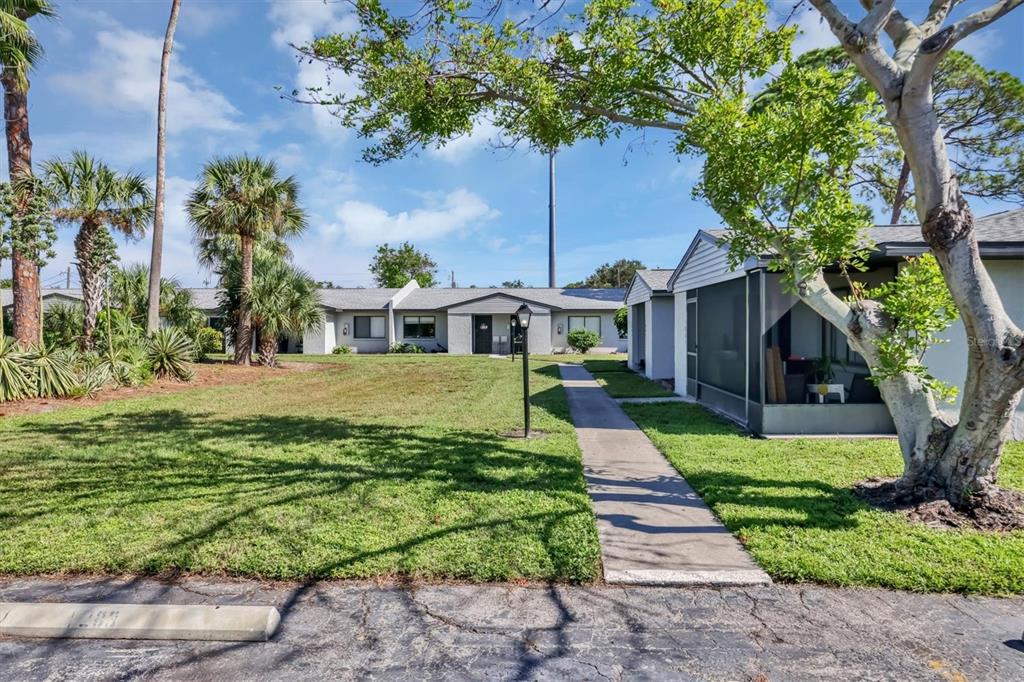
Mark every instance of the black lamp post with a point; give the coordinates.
(523, 315)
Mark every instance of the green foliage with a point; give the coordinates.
(341, 350)
(242, 195)
(615, 275)
(168, 351)
(513, 284)
(621, 320)
(396, 267)
(400, 347)
(15, 383)
(29, 228)
(208, 340)
(62, 324)
(51, 371)
(18, 43)
(582, 340)
(920, 307)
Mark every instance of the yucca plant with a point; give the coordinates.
(51, 371)
(14, 377)
(129, 366)
(92, 380)
(168, 351)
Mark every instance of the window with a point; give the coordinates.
(590, 322)
(367, 327)
(418, 327)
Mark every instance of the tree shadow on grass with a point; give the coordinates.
(233, 469)
(748, 500)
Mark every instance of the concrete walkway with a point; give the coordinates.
(360, 630)
(654, 529)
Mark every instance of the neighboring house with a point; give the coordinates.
(458, 321)
(50, 297)
(650, 315)
(748, 349)
(461, 321)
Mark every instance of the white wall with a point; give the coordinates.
(320, 339)
(948, 361)
(610, 341)
(440, 339)
(540, 334)
(344, 332)
(460, 333)
(679, 342)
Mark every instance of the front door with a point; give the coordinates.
(483, 334)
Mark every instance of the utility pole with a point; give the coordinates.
(453, 279)
(551, 218)
(67, 284)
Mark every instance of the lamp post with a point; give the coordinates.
(523, 315)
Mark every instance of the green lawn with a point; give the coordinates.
(382, 465)
(611, 372)
(790, 504)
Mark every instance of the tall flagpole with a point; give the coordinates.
(551, 218)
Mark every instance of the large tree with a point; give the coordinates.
(284, 299)
(242, 200)
(156, 255)
(90, 194)
(19, 51)
(397, 266)
(781, 174)
(981, 114)
(615, 275)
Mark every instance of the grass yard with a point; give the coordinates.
(789, 502)
(383, 465)
(611, 372)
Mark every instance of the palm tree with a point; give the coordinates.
(97, 198)
(19, 51)
(241, 197)
(129, 293)
(156, 256)
(283, 299)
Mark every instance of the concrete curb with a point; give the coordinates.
(653, 400)
(687, 578)
(139, 621)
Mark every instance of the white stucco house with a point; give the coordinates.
(461, 321)
(746, 348)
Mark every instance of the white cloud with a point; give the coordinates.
(298, 23)
(983, 44)
(123, 75)
(457, 212)
(199, 18)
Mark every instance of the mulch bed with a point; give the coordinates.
(207, 374)
(1001, 512)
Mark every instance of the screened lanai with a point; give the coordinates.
(760, 356)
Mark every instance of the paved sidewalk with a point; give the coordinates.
(654, 529)
(349, 631)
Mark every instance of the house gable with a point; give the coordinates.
(498, 303)
(638, 291)
(706, 262)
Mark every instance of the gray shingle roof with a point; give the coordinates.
(657, 280)
(7, 296)
(563, 299)
(356, 299)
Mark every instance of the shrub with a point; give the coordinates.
(208, 340)
(62, 325)
(622, 322)
(404, 348)
(582, 340)
(341, 350)
(168, 351)
(51, 371)
(14, 377)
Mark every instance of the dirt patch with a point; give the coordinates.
(1001, 512)
(207, 374)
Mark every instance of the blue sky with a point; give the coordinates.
(478, 212)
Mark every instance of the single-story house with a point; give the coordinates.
(459, 321)
(753, 352)
(650, 302)
(462, 321)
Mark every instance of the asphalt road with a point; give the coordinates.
(386, 631)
